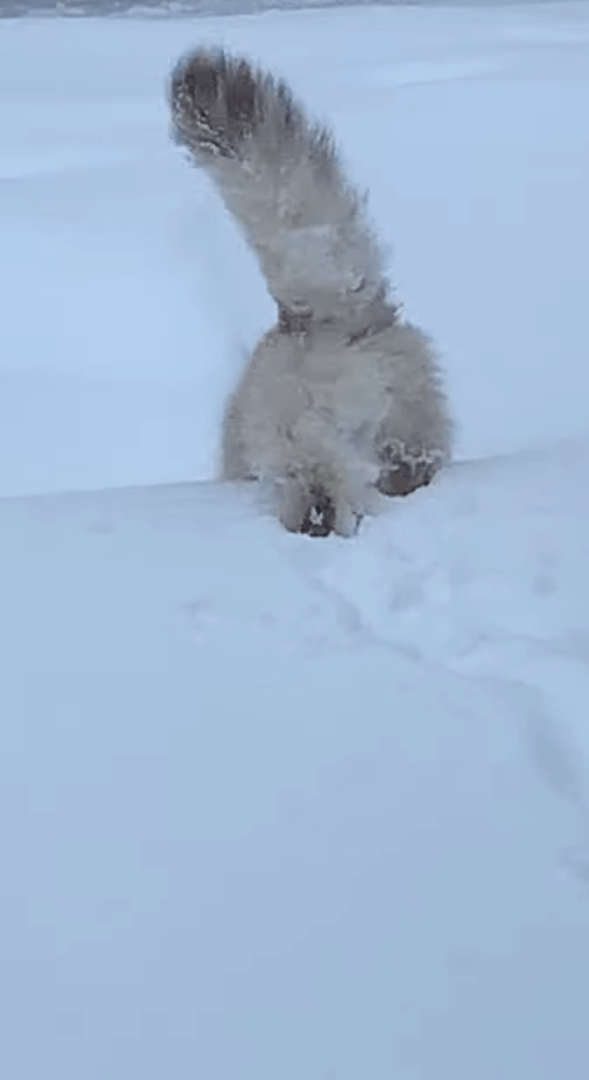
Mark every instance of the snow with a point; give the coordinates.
(275, 807)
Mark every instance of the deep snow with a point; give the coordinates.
(273, 807)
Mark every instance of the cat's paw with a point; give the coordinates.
(315, 511)
(403, 471)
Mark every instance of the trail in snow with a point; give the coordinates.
(129, 300)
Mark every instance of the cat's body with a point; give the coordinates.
(340, 398)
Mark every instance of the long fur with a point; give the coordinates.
(341, 397)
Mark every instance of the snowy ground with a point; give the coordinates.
(275, 808)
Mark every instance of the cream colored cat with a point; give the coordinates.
(341, 398)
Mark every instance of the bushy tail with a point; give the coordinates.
(281, 177)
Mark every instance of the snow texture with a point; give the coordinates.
(273, 807)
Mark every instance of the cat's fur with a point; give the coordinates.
(341, 398)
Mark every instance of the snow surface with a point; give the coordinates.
(272, 807)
